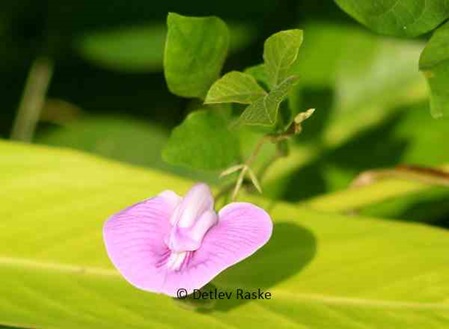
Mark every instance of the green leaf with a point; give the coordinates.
(235, 87)
(259, 73)
(358, 198)
(202, 141)
(434, 63)
(120, 138)
(134, 49)
(323, 270)
(195, 51)
(116, 137)
(348, 74)
(398, 17)
(141, 48)
(264, 111)
(429, 206)
(280, 53)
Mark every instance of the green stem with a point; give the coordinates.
(253, 156)
(33, 99)
(294, 129)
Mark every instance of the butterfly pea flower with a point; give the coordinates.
(167, 242)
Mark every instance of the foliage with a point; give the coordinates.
(398, 17)
(411, 18)
(203, 141)
(434, 64)
(194, 53)
(140, 48)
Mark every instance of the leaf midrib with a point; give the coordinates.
(276, 293)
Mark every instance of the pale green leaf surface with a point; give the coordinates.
(324, 270)
(264, 111)
(203, 141)
(398, 17)
(434, 63)
(234, 87)
(280, 54)
(195, 51)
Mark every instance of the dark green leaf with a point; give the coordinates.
(202, 141)
(195, 50)
(398, 17)
(235, 87)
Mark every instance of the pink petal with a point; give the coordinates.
(134, 240)
(241, 230)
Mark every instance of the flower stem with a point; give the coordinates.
(253, 156)
(293, 129)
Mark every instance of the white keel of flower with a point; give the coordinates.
(176, 260)
(194, 215)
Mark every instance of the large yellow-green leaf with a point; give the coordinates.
(323, 270)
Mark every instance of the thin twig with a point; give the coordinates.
(238, 184)
(33, 99)
(248, 163)
(294, 129)
(416, 173)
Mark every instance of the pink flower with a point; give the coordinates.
(168, 242)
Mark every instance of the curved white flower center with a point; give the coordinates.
(191, 220)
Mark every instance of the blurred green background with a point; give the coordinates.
(108, 96)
